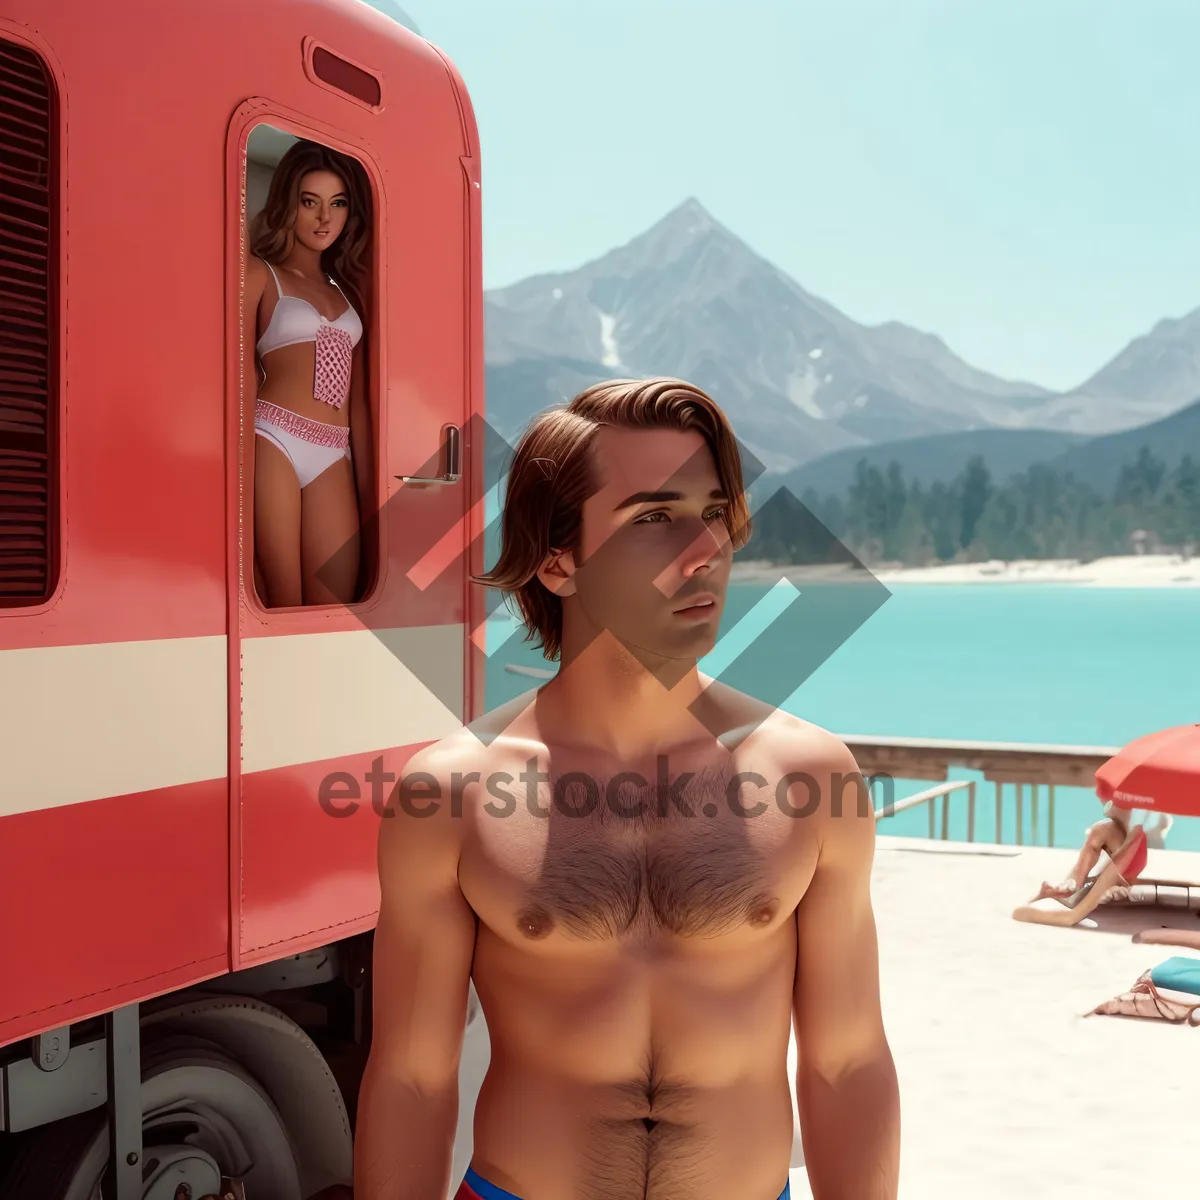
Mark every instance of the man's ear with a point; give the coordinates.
(557, 573)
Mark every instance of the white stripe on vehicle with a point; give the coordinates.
(80, 723)
(310, 697)
(110, 718)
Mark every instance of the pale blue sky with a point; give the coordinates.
(1018, 176)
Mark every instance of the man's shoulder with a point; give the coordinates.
(823, 765)
(813, 769)
(473, 747)
(790, 742)
(804, 746)
(455, 755)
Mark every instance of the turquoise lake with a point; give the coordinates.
(1063, 665)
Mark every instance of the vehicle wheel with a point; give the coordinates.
(205, 1117)
(288, 1065)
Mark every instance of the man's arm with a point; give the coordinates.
(846, 1087)
(424, 944)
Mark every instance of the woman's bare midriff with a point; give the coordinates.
(289, 384)
(653, 1068)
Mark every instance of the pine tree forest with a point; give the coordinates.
(1040, 514)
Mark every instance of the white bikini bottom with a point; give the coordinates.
(312, 447)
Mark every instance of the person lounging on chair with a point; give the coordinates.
(1125, 846)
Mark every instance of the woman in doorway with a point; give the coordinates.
(304, 314)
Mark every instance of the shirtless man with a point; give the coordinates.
(648, 875)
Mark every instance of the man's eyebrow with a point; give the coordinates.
(662, 498)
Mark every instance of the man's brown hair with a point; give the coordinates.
(552, 475)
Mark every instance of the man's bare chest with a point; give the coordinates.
(597, 858)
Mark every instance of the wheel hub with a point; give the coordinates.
(167, 1167)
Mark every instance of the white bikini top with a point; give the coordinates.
(295, 320)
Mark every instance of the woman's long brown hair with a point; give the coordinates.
(347, 260)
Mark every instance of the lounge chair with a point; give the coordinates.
(1166, 894)
(1121, 870)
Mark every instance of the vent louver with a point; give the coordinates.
(27, 217)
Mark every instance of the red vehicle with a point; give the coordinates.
(185, 916)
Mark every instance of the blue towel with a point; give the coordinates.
(1178, 975)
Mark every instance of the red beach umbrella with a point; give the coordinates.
(1159, 772)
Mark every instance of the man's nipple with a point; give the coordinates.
(762, 912)
(534, 923)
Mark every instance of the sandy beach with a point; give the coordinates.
(1007, 1090)
(1127, 571)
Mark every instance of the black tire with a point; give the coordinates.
(67, 1159)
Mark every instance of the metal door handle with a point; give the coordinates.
(452, 475)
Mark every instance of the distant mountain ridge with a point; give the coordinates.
(1099, 460)
(799, 379)
(1005, 452)
(1154, 376)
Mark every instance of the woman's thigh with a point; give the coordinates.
(330, 536)
(276, 525)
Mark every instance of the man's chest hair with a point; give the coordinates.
(618, 858)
